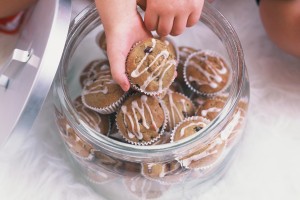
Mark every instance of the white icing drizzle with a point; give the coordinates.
(92, 70)
(209, 110)
(182, 131)
(143, 184)
(92, 119)
(228, 130)
(104, 78)
(159, 71)
(213, 78)
(174, 111)
(211, 150)
(203, 82)
(164, 170)
(134, 122)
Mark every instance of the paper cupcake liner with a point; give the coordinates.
(108, 109)
(203, 166)
(171, 178)
(211, 53)
(150, 93)
(205, 120)
(98, 131)
(165, 138)
(159, 134)
(90, 157)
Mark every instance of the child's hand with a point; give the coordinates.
(123, 28)
(172, 16)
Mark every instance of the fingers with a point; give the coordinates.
(151, 21)
(179, 25)
(165, 25)
(117, 61)
(172, 17)
(194, 17)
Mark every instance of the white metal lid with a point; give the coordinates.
(26, 78)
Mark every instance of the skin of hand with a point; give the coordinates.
(12, 7)
(123, 27)
(281, 20)
(172, 16)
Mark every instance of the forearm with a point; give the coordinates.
(281, 19)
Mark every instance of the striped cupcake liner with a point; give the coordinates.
(108, 109)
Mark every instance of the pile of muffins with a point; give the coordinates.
(159, 105)
(175, 93)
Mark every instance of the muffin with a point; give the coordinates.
(171, 46)
(100, 123)
(184, 53)
(101, 41)
(151, 67)
(91, 70)
(206, 73)
(141, 119)
(189, 126)
(99, 175)
(202, 157)
(106, 161)
(77, 146)
(102, 94)
(178, 108)
(205, 157)
(175, 87)
(198, 100)
(210, 108)
(115, 134)
(164, 173)
(235, 125)
(165, 138)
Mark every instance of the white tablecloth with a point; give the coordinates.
(35, 166)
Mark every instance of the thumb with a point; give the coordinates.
(117, 59)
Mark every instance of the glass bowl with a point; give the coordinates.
(118, 170)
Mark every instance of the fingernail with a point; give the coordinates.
(125, 87)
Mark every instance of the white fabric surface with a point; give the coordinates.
(35, 165)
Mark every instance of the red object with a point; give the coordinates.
(12, 24)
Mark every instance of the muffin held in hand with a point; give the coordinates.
(151, 66)
(141, 119)
(102, 94)
(206, 73)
